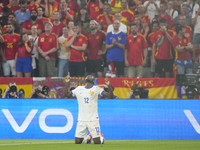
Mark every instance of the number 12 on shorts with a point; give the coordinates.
(86, 100)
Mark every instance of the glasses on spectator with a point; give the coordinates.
(134, 40)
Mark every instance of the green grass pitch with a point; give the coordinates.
(29, 144)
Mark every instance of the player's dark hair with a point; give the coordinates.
(133, 24)
(155, 22)
(163, 20)
(11, 14)
(21, 43)
(101, 24)
(87, 16)
(22, 2)
(65, 26)
(179, 28)
(163, 3)
(33, 10)
(40, 7)
(77, 24)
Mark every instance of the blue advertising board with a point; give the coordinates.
(119, 119)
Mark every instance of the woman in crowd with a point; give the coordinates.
(71, 26)
(23, 56)
(84, 19)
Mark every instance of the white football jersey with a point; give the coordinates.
(87, 100)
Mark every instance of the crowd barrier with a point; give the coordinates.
(119, 119)
(159, 88)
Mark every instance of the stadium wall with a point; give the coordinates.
(119, 119)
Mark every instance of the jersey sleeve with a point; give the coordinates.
(74, 91)
(189, 40)
(107, 39)
(24, 25)
(85, 41)
(100, 91)
(145, 44)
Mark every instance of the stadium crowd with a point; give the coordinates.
(115, 38)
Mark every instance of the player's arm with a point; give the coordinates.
(180, 49)
(46, 12)
(115, 43)
(109, 94)
(26, 31)
(67, 93)
(70, 42)
(80, 48)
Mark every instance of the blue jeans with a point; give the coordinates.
(63, 67)
(183, 70)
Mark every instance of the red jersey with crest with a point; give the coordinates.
(46, 43)
(164, 51)
(10, 45)
(13, 9)
(182, 42)
(103, 20)
(34, 6)
(145, 18)
(168, 18)
(22, 52)
(64, 17)
(75, 55)
(188, 30)
(94, 9)
(28, 24)
(135, 47)
(95, 43)
(57, 29)
(127, 14)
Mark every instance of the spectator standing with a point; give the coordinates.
(155, 28)
(163, 14)
(63, 53)
(14, 6)
(182, 21)
(10, 41)
(47, 48)
(57, 24)
(40, 14)
(106, 18)
(170, 11)
(95, 8)
(26, 28)
(66, 13)
(183, 46)
(196, 36)
(136, 53)
(23, 14)
(94, 61)
(84, 19)
(144, 17)
(123, 28)
(23, 63)
(32, 5)
(185, 12)
(151, 8)
(127, 14)
(77, 44)
(35, 57)
(50, 7)
(161, 54)
(115, 45)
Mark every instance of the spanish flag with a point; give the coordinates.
(159, 88)
(53, 8)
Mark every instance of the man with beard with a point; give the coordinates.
(94, 61)
(136, 53)
(10, 43)
(115, 45)
(23, 14)
(57, 24)
(66, 13)
(77, 44)
(95, 8)
(40, 15)
(29, 23)
(47, 48)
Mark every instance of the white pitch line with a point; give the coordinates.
(35, 143)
